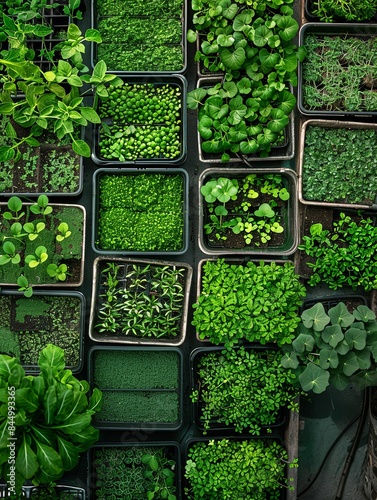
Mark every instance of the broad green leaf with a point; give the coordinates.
(93, 35)
(52, 357)
(49, 459)
(243, 19)
(350, 364)
(356, 338)
(95, 400)
(339, 381)
(315, 317)
(328, 358)
(205, 127)
(6, 108)
(90, 114)
(268, 59)
(7, 153)
(332, 335)
(289, 360)
(278, 120)
(365, 379)
(233, 60)
(363, 358)
(288, 26)
(261, 35)
(195, 97)
(364, 313)
(81, 148)
(342, 348)
(225, 40)
(26, 460)
(340, 315)
(68, 452)
(27, 399)
(314, 378)
(303, 343)
(75, 424)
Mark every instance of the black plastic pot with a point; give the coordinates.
(48, 319)
(132, 48)
(361, 31)
(135, 172)
(281, 152)
(31, 492)
(99, 288)
(144, 397)
(216, 427)
(175, 81)
(289, 214)
(171, 448)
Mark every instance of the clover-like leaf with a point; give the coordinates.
(315, 317)
(290, 360)
(350, 364)
(314, 378)
(303, 343)
(356, 338)
(364, 313)
(332, 335)
(339, 315)
(328, 358)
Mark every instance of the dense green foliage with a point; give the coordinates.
(341, 10)
(141, 212)
(339, 165)
(256, 302)
(242, 388)
(336, 347)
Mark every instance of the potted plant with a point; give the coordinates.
(333, 347)
(338, 249)
(247, 212)
(329, 173)
(220, 468)
(29, 324)
(35, 98)
(46, 419)
(42, 243)
(243, 389)
(140, 212)
(142, 386)
(337, 76)
(240, 301)
(139, 301)
(142, 120)
(148, 37)
(135, 470)
(329, 11)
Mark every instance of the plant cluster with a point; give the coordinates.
(338, 10)
(339, 73)
(55, 493)
(331, 165)
(33, 242)
(141, 386)
(25, 10)
(141, 212)
(47, 97)
(52, 420)
(141, 121)
(146, 302)
(336, 347)
(251, 206)
(29, 324)
(244, 388)
(150, 41)
(138, 472)
(344, 256)
(247, 112)
(221, 469)
(255, 302)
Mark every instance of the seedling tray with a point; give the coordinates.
(135, 172)
(98, 288)
(177, 82)
(362, 31)
(289, 214)
(215, 426)
(148, 396)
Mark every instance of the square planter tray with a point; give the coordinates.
(172, 448)
(135, 172)
(45, 316)
(175, 81)
(290, 216)
(278, 153)
(31, 492)
(132, 48)
(125, 264)
(363, 31)
(330, 124)
(153, 395)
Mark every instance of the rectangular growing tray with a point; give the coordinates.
(328, 124)
(99, 262)
(359, 30)
(278, 153)
(148, 19)
(177, 81)
(96, 203)
(142, 394)
(290, 218)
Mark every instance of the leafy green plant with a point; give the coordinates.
(33, 245)
(141, 120)
(336, 347)
(253, 468)
(256, 302)
(52, 418)
(338, 10)
(26, 10)
(331, 164)
(252, 206)
(339, 73)
(137, 472)
(48, 96)
(141, 212)
(344, 255)
(241, 387)
(146, 303)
